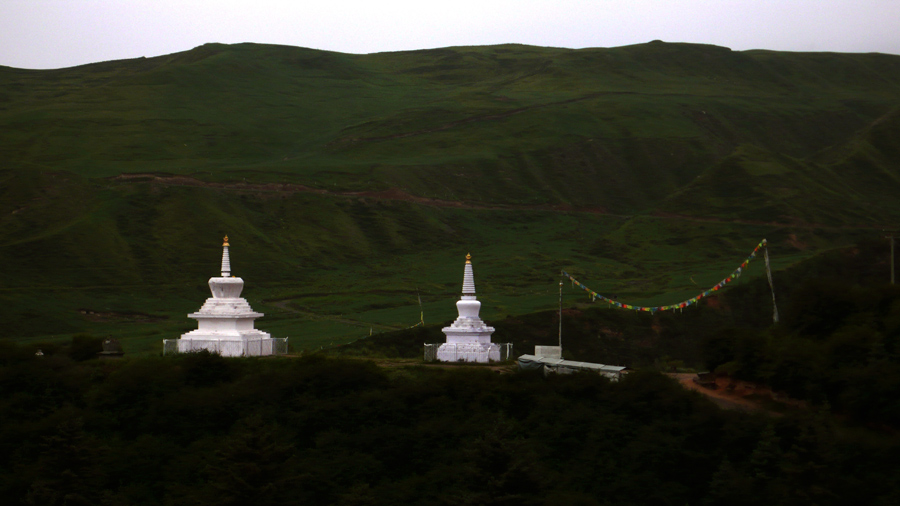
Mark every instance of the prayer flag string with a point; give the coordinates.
(687, 303)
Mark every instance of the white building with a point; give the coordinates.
(559, 366)
(225, 322)
(468, 337)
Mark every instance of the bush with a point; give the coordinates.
(85, 347)
(203, 368)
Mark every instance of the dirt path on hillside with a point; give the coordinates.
(397, 194)
(792, 224)
(726, 400)
(739, 395)
(482, 118)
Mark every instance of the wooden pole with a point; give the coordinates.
(560, 318)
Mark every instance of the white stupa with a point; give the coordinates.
(468, 338)
(225, 322)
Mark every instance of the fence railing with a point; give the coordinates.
(242, 348)
(466, 352)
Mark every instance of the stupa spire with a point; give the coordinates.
(468, 287)
(226, 260)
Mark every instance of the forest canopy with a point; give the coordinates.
(202, 429)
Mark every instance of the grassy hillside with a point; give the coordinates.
(619, 128)
(348, 183)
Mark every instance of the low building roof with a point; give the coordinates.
(558, 362)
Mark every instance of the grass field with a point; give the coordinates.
(374, 287)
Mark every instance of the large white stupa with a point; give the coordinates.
(468, 337)
(225, 322)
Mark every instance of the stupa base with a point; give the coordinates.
(468, 352)
(229, 347)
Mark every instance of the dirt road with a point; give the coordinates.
(739, 395)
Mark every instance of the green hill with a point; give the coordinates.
(350, 182)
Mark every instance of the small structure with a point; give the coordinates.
(560, 366)
(468, 337)
(111, 349)
(548, 351)
(225, 322)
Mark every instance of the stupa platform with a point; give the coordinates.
(245, 345)
(469, 352)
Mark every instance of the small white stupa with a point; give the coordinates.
(468, 338)
(225, 322)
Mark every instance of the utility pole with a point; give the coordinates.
(560, 318)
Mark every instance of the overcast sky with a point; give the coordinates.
(42, 34)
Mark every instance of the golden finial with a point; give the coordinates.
(226, 241)
(468, 258)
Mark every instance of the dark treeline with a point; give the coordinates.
(838, 340)
(201, 429)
